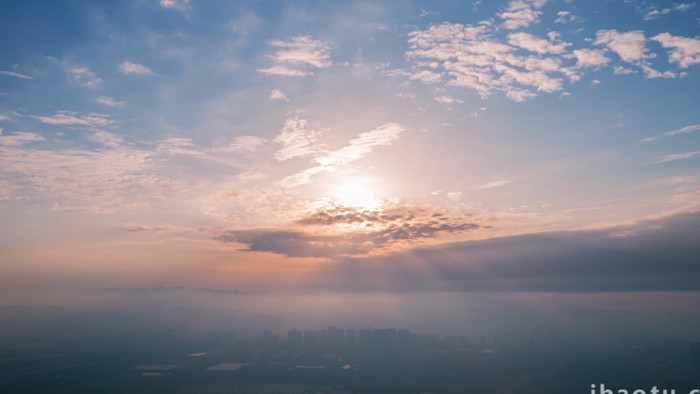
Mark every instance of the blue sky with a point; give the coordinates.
(264, 145)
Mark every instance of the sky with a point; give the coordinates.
(530, 147)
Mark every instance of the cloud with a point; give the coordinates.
(178, 146)
(277, 94)
(180, 5)
(110, 101)
(297, 139)
(468, 56)
(82, 75)
(655, 255)
(657, 12)
(520, 95)
(680, 179)
(683, 130)
(102, 172)
(362, 145)
(353, 231)
(284, 71)
(619, 70)
(566, 17)
(70, 178)
(19, 138)
(15, 74)
(653, 14)
(454, 196)
(630, 46)
(447, 100)
(536, 44)
(356, 149)
(288, 243)
(298, 57)
(106, 139)
(139, 228)
(590, 57)
(245, 143)
(133, 68)
(676, 156)
(650, 73)
(493, 184)
(67, 118)
(521, 13)
(426, 76)
(683, 50)
(683, 7)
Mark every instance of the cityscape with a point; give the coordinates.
(245, 358)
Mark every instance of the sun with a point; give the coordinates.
(357, 195)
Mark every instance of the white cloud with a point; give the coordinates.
(680, 179)
(536, 44)
(133, 68)
(277, 94)
(676, 156)
(16, 75)
(468, 56)
(362, 145)
(71, 178)
(356, 149)
(520, 95)
(656, 12)
(683, 50)
(298, 57)
(110, 101)
(683, 7)
(82, 75)
(520, 18)
(521, 13)
(565, 17)
(245, 143)
(19, 138)
(651, 73)
(454, 196)
(66, 118)
(178, 146)
(653, 14)
(426, 76)
(493, 184)
(297, 138)
(590, 57)
(619, 70)
(684, 130)
(107, 139)
(179, 5)
(630, 46)
(447, 100)
(284, 71)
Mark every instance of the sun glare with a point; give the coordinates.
(356, 196)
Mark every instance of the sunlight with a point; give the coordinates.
(356, 195)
